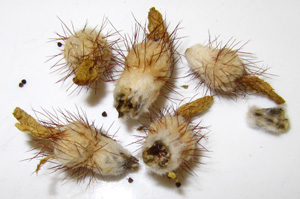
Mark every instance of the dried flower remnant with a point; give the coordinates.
(148, 66)
(76, 145)
(272, 120)
(172, 142)
(228, 71)
(195, 107)
(88, 56)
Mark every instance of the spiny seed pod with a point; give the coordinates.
(76, 145)
(148, 66)
(272, 120)
(172, 142)
(87, 55)
(228, 71)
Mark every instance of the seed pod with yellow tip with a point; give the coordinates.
(228, 71)
(173, 142)
(87, 55)
(148, 66)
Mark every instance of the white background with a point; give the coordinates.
(242, 162)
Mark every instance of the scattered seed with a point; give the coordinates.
(20, 84)
(178, 184)
(23, 81)
(130, 180)
(104, 114)
(59, 44)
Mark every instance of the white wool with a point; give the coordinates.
(147, 69)
(81, 44)
(82, 146)
(261, 119)
(176, 135)
(218, 68)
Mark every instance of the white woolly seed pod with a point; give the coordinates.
(147, 69)
(76, 145)
(87, 55)
(148, 66)
(228, 71)
(218, 68)
(171, 143)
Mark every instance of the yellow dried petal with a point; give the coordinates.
(86, 73)
(29, 125)
(156, 26)
(195, 107)
(42, 162)
(257, 85)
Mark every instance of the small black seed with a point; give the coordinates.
(59, 44)
(178, 184)
(23, 81)
(104, 114)
(20, 85)
(130, 180)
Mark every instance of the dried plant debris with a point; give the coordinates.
(185, 86)
(87, 55)
(272, 120)
(173, 142)
(148, 66)
(76, 144)
(195, 107)
(228, 71)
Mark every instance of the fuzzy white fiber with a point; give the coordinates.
(217, 68)
(262, 118)
(176, 135)
(84, 43)
(147, 68)
(82, 146)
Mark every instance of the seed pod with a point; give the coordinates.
(88, 55)
(148, 66)
(228, 71)
(172, 142)
(76, 145)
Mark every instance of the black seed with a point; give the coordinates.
(130, 180)
(23, 81)
(178, 184)
(59, 44)
(104, 114)
(20, 85)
